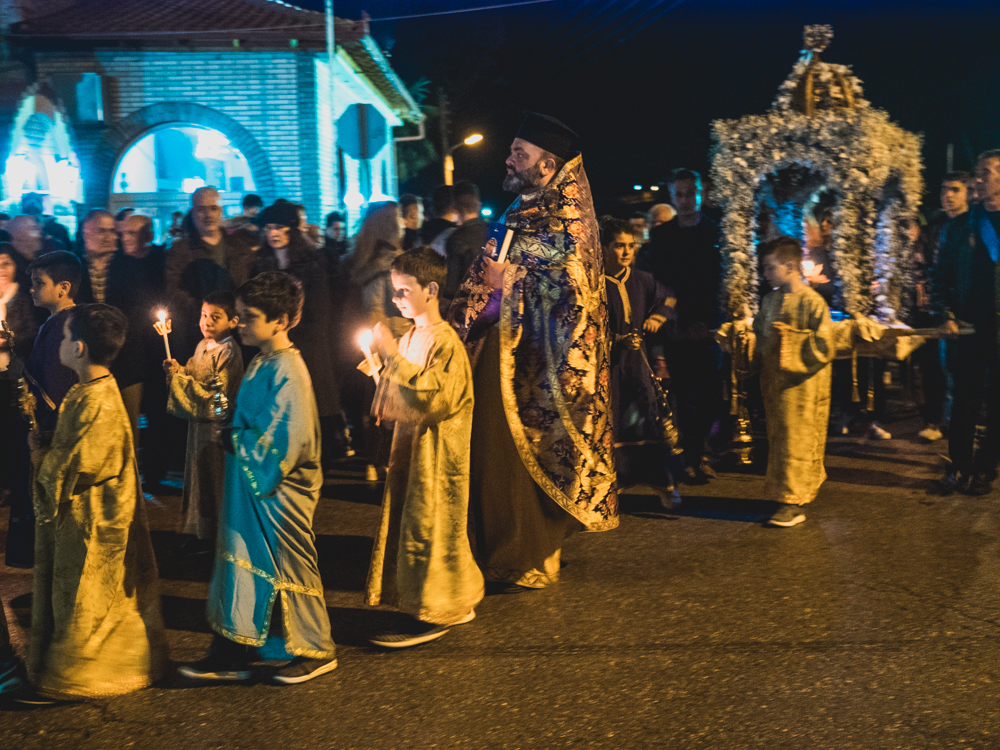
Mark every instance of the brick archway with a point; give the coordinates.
(118, 138)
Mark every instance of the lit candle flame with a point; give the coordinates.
(162, 315)
(365, 340)
(807, 267)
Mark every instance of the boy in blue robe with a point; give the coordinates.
(266, 591)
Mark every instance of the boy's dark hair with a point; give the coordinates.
(334, 216)
(224, 300)
(784, 249)
(467, 199)
(124, 214)
(443, 200)
(274, 293)
(102, 328)
(962, 177)
(680, 174)
(611, 227)
(252, 200)
(424, 264)
(60, 266)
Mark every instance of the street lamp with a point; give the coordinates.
(449, 163)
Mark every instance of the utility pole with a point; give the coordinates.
(449, 164)
(331, 54)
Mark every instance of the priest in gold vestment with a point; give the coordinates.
(536, 330)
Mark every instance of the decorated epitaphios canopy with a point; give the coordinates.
(819, 133)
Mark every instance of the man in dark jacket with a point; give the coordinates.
(965, 290)
(465, 244)
(205, 259)
(445, 215)
(683, 255)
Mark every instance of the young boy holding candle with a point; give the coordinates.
(96, 628)
(266, 590)
(793, 349)
(422, 562)
(195, 393)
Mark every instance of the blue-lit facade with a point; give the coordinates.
(145, 124)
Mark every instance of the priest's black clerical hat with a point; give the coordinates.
(549, 134)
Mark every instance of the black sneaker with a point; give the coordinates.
(301, 669)
(424, 632)
(31, 697)
(216, 669)
(786, 516)
(979, 485)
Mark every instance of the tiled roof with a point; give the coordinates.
(214, 22)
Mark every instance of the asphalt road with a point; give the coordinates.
(876, 624)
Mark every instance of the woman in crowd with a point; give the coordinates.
(285, 249)
(376, 245)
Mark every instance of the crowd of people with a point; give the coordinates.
(504, 401)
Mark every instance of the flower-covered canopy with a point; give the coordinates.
(820, 125)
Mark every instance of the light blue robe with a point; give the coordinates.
(266, 548)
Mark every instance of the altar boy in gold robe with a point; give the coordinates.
(422, 562)
(793, 351)
(96, 628)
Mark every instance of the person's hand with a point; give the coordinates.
(815, 276)
(493, 272)
(632, 341)
(384, 341)
(653, 324)
(171, 366)
(781, 327)
(949, 330)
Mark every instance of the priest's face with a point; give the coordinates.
(525, 168)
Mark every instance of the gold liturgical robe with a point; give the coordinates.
(422, 562)
(795, 382)
(96, 627)
(205, 461)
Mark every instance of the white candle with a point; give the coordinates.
(365, 342)
(165, 328)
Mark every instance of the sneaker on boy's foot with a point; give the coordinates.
(301, 669)
(421, 633)
(931, 433)
(670, 498)
(216, 668)
(877, 432)
(787, 515)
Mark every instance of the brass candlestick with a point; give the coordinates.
(220, 403)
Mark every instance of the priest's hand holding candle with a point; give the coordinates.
(162, 327)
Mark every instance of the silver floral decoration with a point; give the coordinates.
(857, 151)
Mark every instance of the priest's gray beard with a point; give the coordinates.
(524, 182)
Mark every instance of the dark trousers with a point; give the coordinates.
(696, 381)
(976, 402)
(21, 532)
(933, 382)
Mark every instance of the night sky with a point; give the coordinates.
(641, 80)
